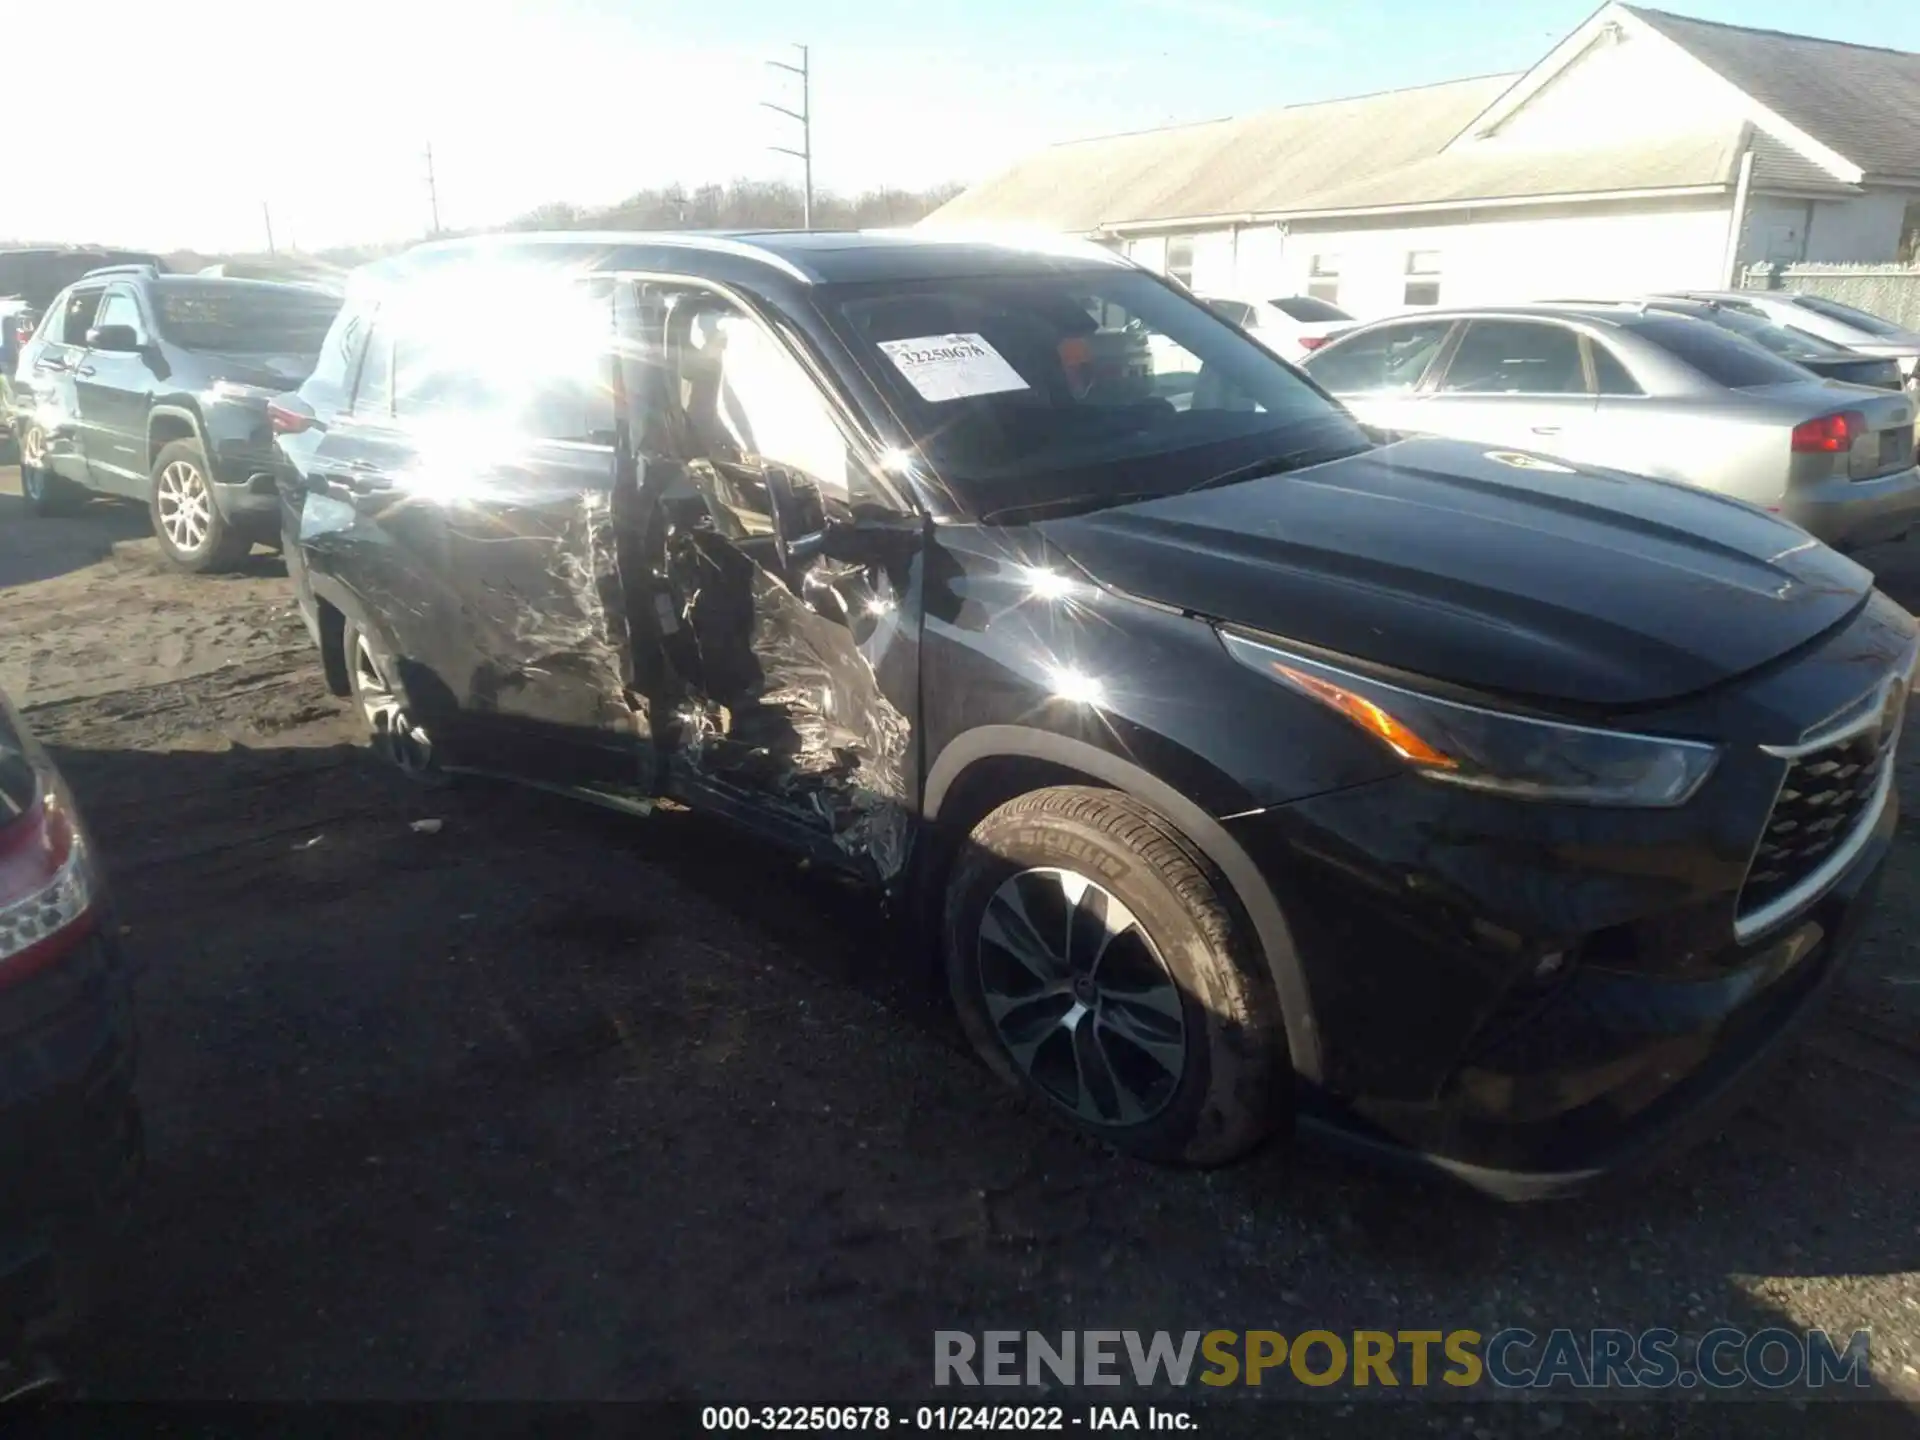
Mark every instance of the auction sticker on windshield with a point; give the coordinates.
(952, 367)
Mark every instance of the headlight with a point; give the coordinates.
(1515, 755)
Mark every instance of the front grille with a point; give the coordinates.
(1824, 799)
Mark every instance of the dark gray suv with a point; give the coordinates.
(154, 387)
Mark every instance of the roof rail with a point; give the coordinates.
(149, 270)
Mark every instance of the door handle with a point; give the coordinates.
(1546, 429)
(51, 364)
(84, 370)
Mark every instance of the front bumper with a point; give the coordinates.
(69, 1129)
(1531, 997)
(1529, 1093)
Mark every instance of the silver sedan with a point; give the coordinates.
(1637, 389)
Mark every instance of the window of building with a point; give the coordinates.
(1180, 260)
(1423, 278)
(1323, 279)
(1910, 235)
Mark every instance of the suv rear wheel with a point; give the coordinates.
(45, 492)
(1095, 962)
(193, 534)
(393, 732)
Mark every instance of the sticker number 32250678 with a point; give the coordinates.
(952, 367)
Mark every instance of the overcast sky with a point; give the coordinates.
(183, 118)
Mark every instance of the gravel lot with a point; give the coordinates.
(528, 1106)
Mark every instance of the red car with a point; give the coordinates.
(69, 1128)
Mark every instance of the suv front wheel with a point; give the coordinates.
(1096, 962)
(193, 534)
(45, 492)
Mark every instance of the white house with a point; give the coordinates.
(1646, 150)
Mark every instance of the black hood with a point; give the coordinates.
(1515, 576)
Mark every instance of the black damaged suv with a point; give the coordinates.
(1239, 768)
(154, 387)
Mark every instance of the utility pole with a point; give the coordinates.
(805, 116)
(267, 214)
(433, 195)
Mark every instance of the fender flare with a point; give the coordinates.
(362, 617)
(989, 742)
(178, 412)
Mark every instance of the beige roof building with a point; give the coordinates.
(1760, 146)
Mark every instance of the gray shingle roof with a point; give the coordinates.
(1272, 161)
(1369, 152)
(1775, 167)
(1860, 101)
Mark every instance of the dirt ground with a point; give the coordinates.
(532, 1106)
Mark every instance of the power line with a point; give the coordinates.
(805, 116)
(433, 194)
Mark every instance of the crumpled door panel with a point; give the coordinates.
(783, 693)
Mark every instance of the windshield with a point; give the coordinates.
(1847, 315)
(1035, 394)
(244, 319)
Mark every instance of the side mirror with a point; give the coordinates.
(123, 339)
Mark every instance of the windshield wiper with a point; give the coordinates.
(1272, 465)
(1069, 504)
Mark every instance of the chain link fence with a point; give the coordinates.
(1890, 291)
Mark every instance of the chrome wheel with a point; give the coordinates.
(403, 742)
(184, 506)
(1080, 997)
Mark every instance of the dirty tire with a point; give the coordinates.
(193, 534)
(392, 734)
(1231, 1088)
(45, 492)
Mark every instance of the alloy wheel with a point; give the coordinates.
(33, 452)
(404, 742)
(185, 506)
(1081, 998)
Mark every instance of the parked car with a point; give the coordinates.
(1822, 358)
(1239, 769)
(16, 326)
(1829, 320)
(154, 387)
(69, 1127)
(1645, 392)
(1291, 326)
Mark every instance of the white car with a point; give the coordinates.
(1828, 319)
(1291, 327)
